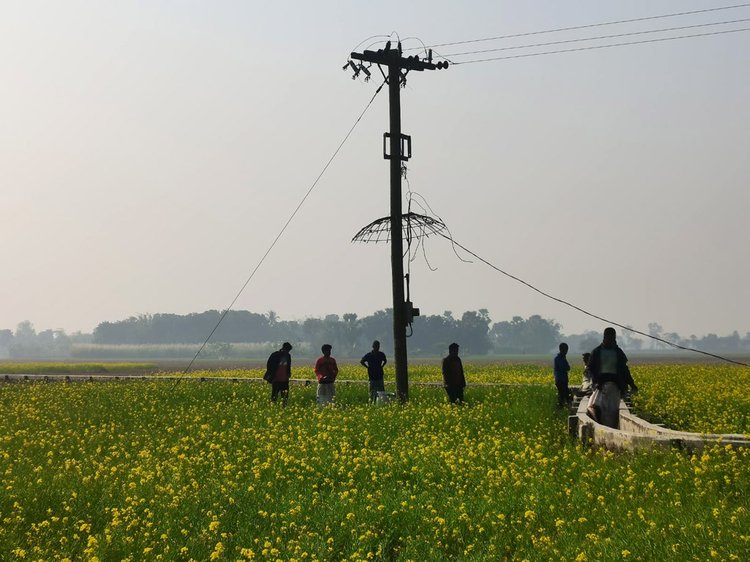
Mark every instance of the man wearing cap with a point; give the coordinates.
(279, 371)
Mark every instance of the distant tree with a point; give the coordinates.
(473, 331)
(6, 336)
(655, 330)
(432, 334)
(25, 331)
(535, 335)
(318, 332)
(673, 337)
(589, 341)
(6, 339)
(628, 341)
(378, 326)
(350, 335)
(272, 317)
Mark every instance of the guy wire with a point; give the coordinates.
(586, 312)
(281, 232)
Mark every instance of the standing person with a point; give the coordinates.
(562, 368)
(279, 371)
(587, 387)
(453, 375)
(326, 370)
(609, 370)
(375, 361)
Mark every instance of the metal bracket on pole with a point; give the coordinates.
(405, 146)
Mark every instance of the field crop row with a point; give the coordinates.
(706, 398)
(158, 471)
(65, 368)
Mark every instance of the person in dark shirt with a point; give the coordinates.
(453, 375)
(612, 379)
(562, 368)
(278, 372)
(375, 361)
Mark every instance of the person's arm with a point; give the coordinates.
(363, 361)
(627, 377)
(384, 360)
(318, 371)
(445, 372)
(594, 368)
(334, 368)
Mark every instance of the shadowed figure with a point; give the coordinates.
(562, 368)
(278, 372)
(375, 361)
(612, 379)
(453, 375)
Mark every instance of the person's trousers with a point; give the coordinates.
(455, 394)
(562, 390)
(326, 393)
(375, 387)
(280, 388)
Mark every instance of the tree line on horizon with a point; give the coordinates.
(243, 333)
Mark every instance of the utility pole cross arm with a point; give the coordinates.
(393, 57)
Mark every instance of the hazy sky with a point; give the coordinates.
(151, 151)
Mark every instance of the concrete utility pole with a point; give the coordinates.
(399, 149)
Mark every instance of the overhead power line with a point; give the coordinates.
(586, 312)
(608, 46)
(596, 38)
(283, 229)
(587, 26)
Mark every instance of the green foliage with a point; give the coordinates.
(51, 368)
(702, 398)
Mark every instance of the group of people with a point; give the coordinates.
(279, 372)
(606, 379)
(606, 376)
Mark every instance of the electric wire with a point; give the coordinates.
(586, 312)
(578, 40)
(283, 229)
(587, 26)
(368, 39)
(593, 47)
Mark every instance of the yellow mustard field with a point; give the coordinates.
(134, 470)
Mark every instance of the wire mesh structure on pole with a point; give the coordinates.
(413, 225)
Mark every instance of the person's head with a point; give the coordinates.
(610, 336)
(563, 347)
(286, 346)
(326, 349)
(586, 357)
(376, 345)
(453, 349)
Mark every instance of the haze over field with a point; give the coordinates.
(150, 152)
